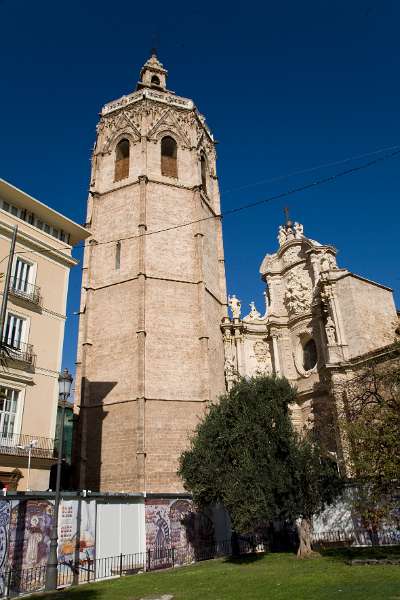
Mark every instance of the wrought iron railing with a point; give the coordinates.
(27, 291)
(19, 444)
(19, 581)
(18, 351)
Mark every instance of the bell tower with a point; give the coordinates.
(150, 350)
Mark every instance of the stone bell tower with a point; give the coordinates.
(150, 351)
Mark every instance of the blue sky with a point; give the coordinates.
(285, 86)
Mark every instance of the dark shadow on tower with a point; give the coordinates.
(88, 429)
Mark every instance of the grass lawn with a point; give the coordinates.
(271, 577)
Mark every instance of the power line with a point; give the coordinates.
(266, 200)
(247, 206)
(309, 170)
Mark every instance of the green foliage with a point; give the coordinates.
(246, 454)
(372, 427)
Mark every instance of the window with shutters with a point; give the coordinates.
(121, 160)
(14, 332)
(169, 165)
(8, 411)
(22, 277)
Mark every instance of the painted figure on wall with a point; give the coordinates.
(4, 526)
(30, 526)
(162, 542)
(176, 524)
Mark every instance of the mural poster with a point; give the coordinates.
(4, 528)
(176, 524)
(30, 528)
(76, 531)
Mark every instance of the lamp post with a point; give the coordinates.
(64, 390)
(29, 447)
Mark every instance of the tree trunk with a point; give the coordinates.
(304, 528)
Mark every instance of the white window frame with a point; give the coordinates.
(32, 271)
(25, 326)
(20, 406)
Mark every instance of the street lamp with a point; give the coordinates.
(29, 447)
(64, 390)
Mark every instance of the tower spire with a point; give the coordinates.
(153, 74)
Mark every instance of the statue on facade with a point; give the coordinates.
(231, 374)
(266, 300)
(253, 314)
(281, 235)
(289, 231)
(298, 230)
(235, 306)
(330, 331)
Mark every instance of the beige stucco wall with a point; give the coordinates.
(50, 261)
(368, 314)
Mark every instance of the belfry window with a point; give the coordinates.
(169, 165)
(121, 160)
(155, 80)
(203, 166)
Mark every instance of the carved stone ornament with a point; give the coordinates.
(253, 314)
(268, 263)
(326, 298)
(327, 262)
(298, 295)
(169, 121)
(127, 121)
(261, 352)
(291, 255)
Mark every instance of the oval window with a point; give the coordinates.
(310, 355)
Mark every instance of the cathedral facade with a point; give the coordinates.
(156, 344)
(150, 350)
(320, 325)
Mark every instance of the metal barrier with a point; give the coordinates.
(20, 581)
(356, 537)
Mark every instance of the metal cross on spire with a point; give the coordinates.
(155, 43)
(286, 211)
(288, 221)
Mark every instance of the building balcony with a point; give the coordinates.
(18, 352)
(20, 444)
(25, 291)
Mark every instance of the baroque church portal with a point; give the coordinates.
(150, 350)
(320, 326)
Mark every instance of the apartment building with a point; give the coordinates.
(33, 334)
